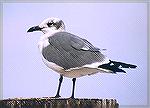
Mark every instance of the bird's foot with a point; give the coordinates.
(70, 98)
(57, 96)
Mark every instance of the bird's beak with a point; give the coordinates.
(35, 28)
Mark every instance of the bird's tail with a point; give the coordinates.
(116, 66)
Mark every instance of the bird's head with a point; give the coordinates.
(49, 25)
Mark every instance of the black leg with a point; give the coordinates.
(74, 80)
(60, 81)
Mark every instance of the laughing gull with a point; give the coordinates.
(70, 55)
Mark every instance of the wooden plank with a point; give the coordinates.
(58, 103)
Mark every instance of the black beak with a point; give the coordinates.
(35, 28)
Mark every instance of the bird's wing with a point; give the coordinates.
(70, 51)
(82, 44)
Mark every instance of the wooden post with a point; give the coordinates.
(58, 103)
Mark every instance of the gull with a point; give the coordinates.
(70, 55)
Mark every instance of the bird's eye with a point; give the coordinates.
(49, 24)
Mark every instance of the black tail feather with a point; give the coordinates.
(123, 65)
(115, 66)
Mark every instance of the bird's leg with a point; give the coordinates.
(60, 81)
(74, 80)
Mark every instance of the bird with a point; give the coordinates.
(70, 55)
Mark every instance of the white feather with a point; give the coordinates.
(96, 64)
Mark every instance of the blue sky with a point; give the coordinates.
(121, 28)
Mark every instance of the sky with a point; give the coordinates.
(121, 28)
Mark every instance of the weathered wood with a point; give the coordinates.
(58, 103)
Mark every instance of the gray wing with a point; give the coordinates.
(68, 51)
(82, 44)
